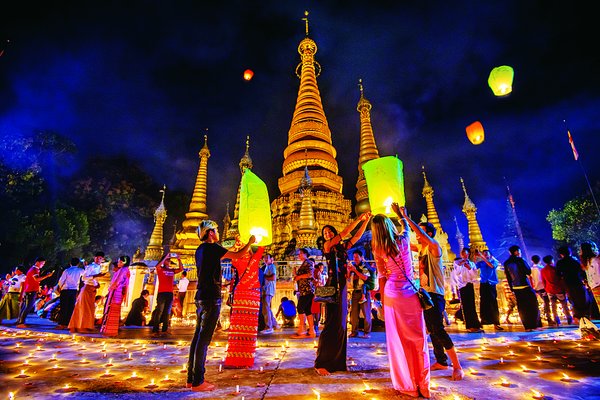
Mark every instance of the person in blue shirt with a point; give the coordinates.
(488, 304)
(287, 308)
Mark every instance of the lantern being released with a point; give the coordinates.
(501, 79)
(475, 133)
(255, 210)
(385, 183)
(248, 74)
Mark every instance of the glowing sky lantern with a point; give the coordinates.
(385, 183)
(501, 79)
(475, 133)
(255, 210)
(248, 74)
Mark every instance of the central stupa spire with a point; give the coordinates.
(309, 130)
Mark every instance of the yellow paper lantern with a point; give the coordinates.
(255, 210)
(475, 133)
(385, 183)
(501, 79)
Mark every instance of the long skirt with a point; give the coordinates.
(85, 307)
(488, 304)
(528, 307)
(467, 302)
(9, 306)
(406, 339)
(333, 342)
(111, 320)
(243, 328)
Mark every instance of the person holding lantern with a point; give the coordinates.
(404, 321)
(333, 341)
(208, 299)
(243, 327)
(431, 278)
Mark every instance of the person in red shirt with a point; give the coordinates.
(555, 288)
(164, 299)
(30, 288)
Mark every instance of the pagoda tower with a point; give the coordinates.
(309, 134)
(155, 250)
(432, 216)
(226, 221)
(475, 237)
(306, 235)
(232, 232)
(368, 151)
(460, 238)
(187, 240)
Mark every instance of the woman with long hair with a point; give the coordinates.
(331, 352)
(404, 322)
(117, 294)
(243, 327)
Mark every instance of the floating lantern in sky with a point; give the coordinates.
(475, 133)
(501, 79)
(385, 183)
(248, 74)
(255, 210)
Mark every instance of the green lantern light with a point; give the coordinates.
(501, 79)
(385, 183)
(255, 210)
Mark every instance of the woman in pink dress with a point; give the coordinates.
(117, 293)
(404, 322)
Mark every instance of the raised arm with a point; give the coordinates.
(234, 255)
(361, 230)
(430, 242)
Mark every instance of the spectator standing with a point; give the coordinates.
(517, 271)
(182, 287)
(30, 289)
(538, 286)
(9, 305)
(68, 286)
(306, 290)
(84, 313)
(555, 288)
(590, 260)
(360, 300)
(488, 295)
(164, 298)
(465, 276)
(572, 273)
(269, 288)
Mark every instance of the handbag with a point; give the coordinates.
(326, 294)
(424, 297)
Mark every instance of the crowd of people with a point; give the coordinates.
(408, 300)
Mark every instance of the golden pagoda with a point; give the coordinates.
(475, 237)
(460, 238)
(309, 134)
(187, 240)
(154, 251)
(226, 222)
(432, 216)
(232, 232)
(368, 151)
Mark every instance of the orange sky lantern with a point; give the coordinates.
(248, 74)
(475, 133)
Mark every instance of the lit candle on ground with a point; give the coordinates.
(84, 361)
(539, 349)
(567, 378)
(164, 346)
(536, 395)
(504, 382)
(66, 389)
(287, 344)
(315, 344)
(129, 357)
(106, 374)
(152, 385)
(53, 357)
(167, 379)
(134, 376)
(183, 368)
(317, 394)
(473, 371)
(525, 369)
(221, 367)
(22, 374)
(109, 363)
(261, 370)
(237, 388)
(501, 360)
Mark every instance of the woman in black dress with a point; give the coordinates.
(331, 352)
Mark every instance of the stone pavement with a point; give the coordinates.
(39, 362)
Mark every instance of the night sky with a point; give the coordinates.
(146, 80)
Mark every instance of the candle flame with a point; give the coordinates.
(473, 371)
(367, 387)
(536, 394)
(316, 392)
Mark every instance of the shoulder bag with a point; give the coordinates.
(424, 297)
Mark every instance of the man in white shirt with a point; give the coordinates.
(68, 286)
(268, 292)
(464, 276)
(538, 286)
(9, 305)
(182, 286)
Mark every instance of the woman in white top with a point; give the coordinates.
(590, 261)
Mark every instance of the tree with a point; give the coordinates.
(576, 222)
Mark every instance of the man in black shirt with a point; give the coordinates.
(208, 299)
(569, 269)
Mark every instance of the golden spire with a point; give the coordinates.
(305, 19)
(187, 238)
(475, 237)
(368, 151)
(246, 161)
(309, 131)
(226, 222)
(307, 229)
(155, 245)
(432, 215)
(460, 238)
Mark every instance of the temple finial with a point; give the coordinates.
(360, 86)
(305, 19)
(163, 191)
(462, 182)
(247, 143)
